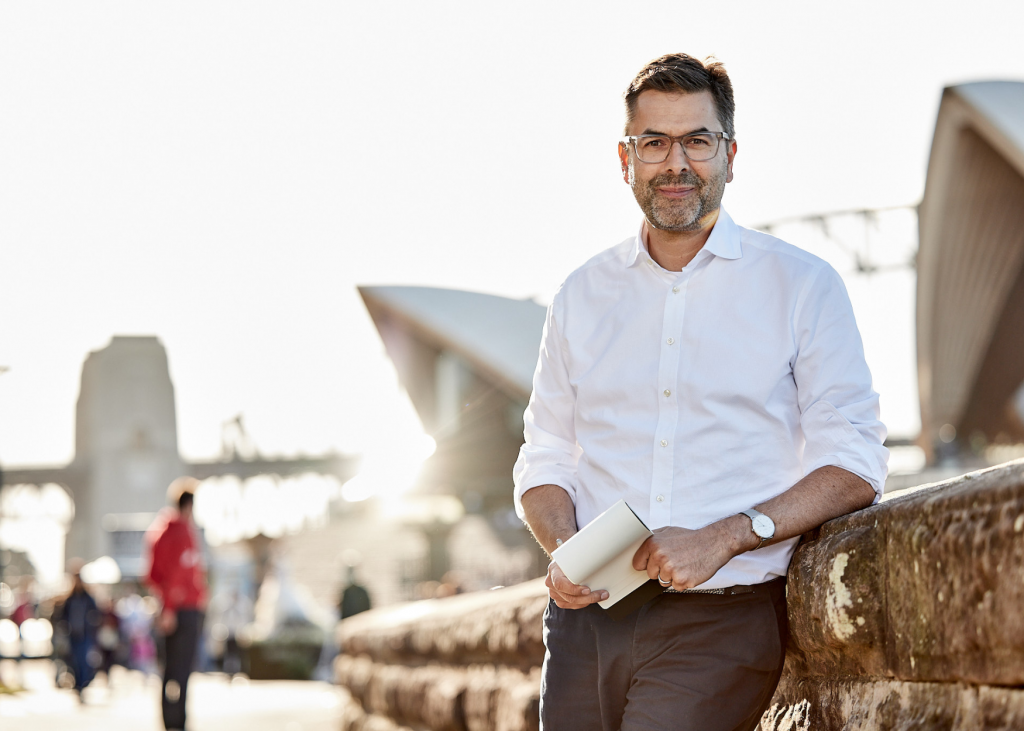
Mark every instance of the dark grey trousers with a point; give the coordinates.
(700, 662)
(180, 648)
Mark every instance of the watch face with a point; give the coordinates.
(763, 526)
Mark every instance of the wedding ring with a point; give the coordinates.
(662, 581)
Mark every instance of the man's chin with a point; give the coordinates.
(675, 223)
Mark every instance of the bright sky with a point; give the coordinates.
(223, 175)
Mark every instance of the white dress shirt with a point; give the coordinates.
(694, 395)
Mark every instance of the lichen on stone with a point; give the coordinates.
(839, 599)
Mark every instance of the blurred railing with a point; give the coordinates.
(906, 615)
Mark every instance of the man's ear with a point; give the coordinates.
(624, 161)
(731, 153)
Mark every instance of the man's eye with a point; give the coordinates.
(699, 141)
(652, 142)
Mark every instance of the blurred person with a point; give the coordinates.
(78, 619)
(177, 576)
(714, 378)
(108, 637)
(136, 619)
(354, 597)
(25, 605)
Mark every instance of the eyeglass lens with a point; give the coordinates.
(697, 147)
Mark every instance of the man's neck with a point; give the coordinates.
(673, 250)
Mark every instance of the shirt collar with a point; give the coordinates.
(724, 241)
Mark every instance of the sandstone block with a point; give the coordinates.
(892, 705)
(956, 580)
(927, 586)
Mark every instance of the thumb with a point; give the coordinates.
(642, 555)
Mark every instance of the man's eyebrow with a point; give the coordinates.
(650, 131)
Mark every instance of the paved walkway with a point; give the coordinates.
(132, 703)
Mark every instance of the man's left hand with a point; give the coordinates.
(686, 558)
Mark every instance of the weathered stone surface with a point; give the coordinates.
(956, 580)
(870, 597)
(892, 705)
(442, 697)
(355, 718)
(836, 600)
(495, 627)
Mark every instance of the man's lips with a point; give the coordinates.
(675, 192)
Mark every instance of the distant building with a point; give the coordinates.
(970, 288)
(126, 447)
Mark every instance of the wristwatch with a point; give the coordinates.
(762, 526)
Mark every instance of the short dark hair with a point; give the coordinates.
(186, 499)
(677, 72)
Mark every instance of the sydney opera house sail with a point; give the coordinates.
(970, 295)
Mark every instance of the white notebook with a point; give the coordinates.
(601, 555)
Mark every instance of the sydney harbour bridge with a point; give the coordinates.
(126, 452)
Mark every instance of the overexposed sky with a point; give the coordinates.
(223, 175)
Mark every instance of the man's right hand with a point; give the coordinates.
(568, 595)
(168, 622)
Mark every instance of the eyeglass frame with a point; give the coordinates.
(672, 141)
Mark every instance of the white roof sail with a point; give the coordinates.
(1001, 104)
(498, 335)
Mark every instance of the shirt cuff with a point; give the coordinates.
(538, 466)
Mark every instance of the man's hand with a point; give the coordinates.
(168, 622)
(568, 595)
(686, 558)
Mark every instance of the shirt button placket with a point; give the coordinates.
(664, 458)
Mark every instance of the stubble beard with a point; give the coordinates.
(679, 215)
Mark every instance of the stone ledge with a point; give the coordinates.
(926, 586)
(803, 704)
(444, 697)
(501, 626)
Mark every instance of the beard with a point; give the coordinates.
(680, 215)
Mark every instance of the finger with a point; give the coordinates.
(578, 601)
(576, 595)
(566, 587)
(655, 569)
(642, 555)
(561, 583)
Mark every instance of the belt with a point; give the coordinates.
(725, 591)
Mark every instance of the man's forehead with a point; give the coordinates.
(674, 112)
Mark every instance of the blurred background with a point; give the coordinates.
(302, 253)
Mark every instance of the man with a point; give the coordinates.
(712, 377)
(176, 575)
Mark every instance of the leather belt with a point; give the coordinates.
(725, 591)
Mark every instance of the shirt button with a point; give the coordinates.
(660, 498)
(675, 290)
(668, 392)
(670, 341)
(664, 442)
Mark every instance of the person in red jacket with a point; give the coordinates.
(177, 577)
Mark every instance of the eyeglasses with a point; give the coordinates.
(698, 146)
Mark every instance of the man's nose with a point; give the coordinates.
(677, 159)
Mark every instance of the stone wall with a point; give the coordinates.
(907, 615)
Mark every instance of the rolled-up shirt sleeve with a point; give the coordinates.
(839, 410)
(550, 454)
